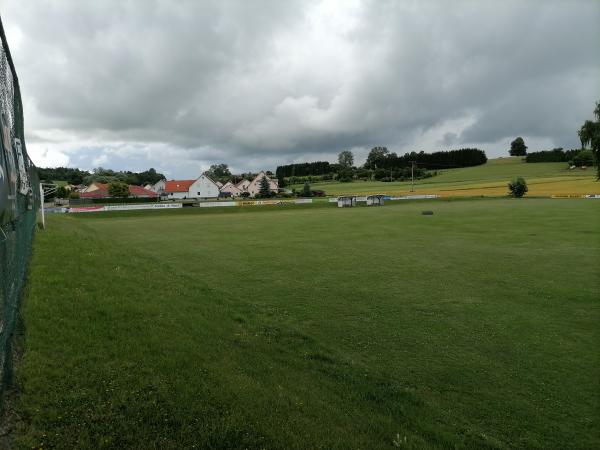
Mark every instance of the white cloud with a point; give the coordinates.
(180, 86)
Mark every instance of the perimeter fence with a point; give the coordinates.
(19, 203)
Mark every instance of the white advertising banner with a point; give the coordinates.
(215, 204)
(97, 208)
(415, 197)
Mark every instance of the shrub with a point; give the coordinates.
(517, 188)
(584, 158)
(118, 189)
(61, 192)
(306, 192)
(345, 175)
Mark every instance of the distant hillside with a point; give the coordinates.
(490, 179)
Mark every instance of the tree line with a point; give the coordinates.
(381, 158)
(304, 169)
(381, 164)
(589, 135)
(575, 157)
(101, 175)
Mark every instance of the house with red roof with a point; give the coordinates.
(201, 187)
(100, 190)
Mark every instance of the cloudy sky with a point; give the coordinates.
(179, 85)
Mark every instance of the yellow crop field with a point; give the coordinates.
(488, 180)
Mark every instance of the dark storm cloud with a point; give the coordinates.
(180, 85)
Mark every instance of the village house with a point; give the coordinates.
(100, 190)
(231, 190)
(202, 187)
(254, 186)
(243, 185)
(159, 186)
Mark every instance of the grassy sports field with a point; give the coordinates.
(489, 180)
(315, 327)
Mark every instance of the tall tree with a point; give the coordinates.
(518, 147)
(219, 172)
(589, 134)
(118, 189)
(346, 159)
(306, 192)
(376, 157)
(265, 189)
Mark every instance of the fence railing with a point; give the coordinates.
(19, 203)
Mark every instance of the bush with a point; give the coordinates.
(584, 158)
(517, 188)
(345, 175)
(61, 192)
(306, 192)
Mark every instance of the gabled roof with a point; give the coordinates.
(242, 184)
(97, 193)
(102, 192)
(178, 185)
(210, 179)
(259, 176)
(229, 186)
(138, 191)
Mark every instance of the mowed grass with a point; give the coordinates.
(488, 180)
(307, 328)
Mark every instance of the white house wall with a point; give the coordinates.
(178, 195)
(203, 187)
(159, 186)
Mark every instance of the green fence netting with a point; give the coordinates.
(19, 203)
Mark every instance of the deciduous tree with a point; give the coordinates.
(376, 156)
(346, 159)
(518, 147)
(118, 189)
(517, 188)
(589, 134)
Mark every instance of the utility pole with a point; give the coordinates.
(412, 175)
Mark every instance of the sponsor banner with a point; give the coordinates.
(388, 197)
(215, 204)
(262, 202)
(575, 196)
(58, 210)
(566, 196)
(97, 208)
(83, 209)
(24, 186)
(414, 197)
(142, 206)
(304, 200)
